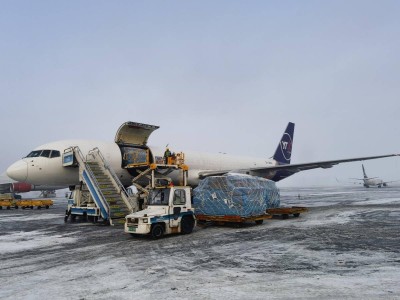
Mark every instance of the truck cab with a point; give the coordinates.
(169, 210)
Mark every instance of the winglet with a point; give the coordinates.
(283, 152)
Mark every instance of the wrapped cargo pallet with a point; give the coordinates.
(235, 195)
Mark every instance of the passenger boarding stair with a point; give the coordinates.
(104, 186)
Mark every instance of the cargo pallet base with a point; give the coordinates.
(232, 219)
(285, 212)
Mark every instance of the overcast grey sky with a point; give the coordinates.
(214, 75)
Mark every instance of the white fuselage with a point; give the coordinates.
(373, 182)
(50, 171)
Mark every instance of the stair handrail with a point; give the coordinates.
(113, 175)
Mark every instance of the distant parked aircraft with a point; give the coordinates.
(372, 181)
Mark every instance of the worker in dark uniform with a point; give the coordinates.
(167, 154)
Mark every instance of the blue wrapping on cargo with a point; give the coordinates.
(235, 195)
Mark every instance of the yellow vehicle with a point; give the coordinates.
(39, 203)
(6, 203)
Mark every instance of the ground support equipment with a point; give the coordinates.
(220, 220)
(285, 212)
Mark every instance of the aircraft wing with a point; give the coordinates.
(391, 181)
(293, 168)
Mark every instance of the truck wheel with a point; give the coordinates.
(157, 231)
(187, 225)
(259, 222)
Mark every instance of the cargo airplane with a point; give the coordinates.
(44, 165)
(372, 181)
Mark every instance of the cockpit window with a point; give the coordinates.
(35, 153)
(55, 153)
(45, 153)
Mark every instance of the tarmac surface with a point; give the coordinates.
(346, 246)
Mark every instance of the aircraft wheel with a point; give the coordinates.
(259, 222)
(157, 231)
(187, 225)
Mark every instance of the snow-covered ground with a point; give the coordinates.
(346, 246)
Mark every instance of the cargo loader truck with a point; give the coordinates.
(169, 210)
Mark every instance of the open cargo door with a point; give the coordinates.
(132, 138)
(132, 133)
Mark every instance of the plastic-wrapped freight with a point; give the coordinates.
(235, 195)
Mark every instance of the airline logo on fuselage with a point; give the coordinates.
(286, 146)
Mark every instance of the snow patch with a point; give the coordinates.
(22, 241)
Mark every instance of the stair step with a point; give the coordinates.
(98, 173)
(104, 187)
(119, 214)
(103, 180)
(115, 206)
(118, 221)
(114, 202)
(110, 193)
(118, 209)
(114, 199)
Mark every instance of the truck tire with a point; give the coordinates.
(157, 231)
(187, 225)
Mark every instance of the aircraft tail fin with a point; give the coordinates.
(283, 152)
(365, 174)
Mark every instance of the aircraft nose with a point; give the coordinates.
(18, 171)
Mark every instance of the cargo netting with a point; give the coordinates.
(235, 195)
